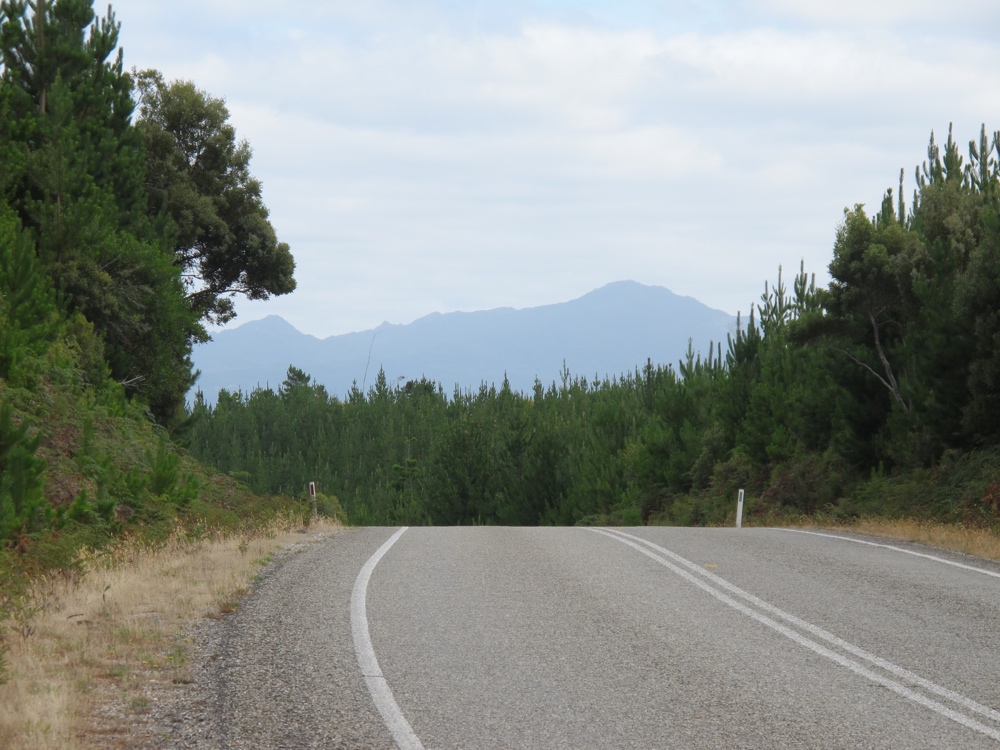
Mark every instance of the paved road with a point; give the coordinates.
(580, 638)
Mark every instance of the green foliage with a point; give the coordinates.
(78, 191)
(143, 229)
(81, 510)
(978, 305)
(22, 500)
(136, 302)
(88, 348)
(29, 319)
(199, 175)
(118, 240)
(328, 506)
(807, 483)
(162, 468)
(96, 322)
(77, 467)
(72, 104)
(895, 364)
(912, 306)
(962, 488)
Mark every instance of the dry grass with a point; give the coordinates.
(972, 541)
(111, 631)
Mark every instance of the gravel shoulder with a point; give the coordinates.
(281, 671)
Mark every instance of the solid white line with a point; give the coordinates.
(819, 632)
(984, 571)
(402, 732)
(817, 648)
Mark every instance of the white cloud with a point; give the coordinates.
(586, 76)
(867, 13)
(669, 154)
(832, 69)
(434, 155)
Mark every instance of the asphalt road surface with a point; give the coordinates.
(600, 638)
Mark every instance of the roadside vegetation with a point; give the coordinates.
(969, 540)
(129, 219)
(876, 396)
(92, 647)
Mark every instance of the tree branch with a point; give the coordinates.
(893, 385)
(858, 361)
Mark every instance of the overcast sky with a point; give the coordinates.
(439, 155)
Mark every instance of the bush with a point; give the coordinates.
(807, 482)
(22, 501)
(162, 468)
(329, 506)
(733, 475)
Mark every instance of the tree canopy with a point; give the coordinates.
(199, 175)
(145, 229)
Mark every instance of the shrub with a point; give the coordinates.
(22, 499)
(807, 482)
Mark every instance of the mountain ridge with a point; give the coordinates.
(606, 332)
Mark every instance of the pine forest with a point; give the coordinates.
(129, 220)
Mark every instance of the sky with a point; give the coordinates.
(437, 155)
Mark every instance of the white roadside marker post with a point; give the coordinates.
(312, 497)
(739, 511)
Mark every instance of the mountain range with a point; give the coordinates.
(607, 332)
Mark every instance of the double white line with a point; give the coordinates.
(729, 594)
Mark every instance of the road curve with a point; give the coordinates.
(589, 638)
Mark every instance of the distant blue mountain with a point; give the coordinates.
(610, 331)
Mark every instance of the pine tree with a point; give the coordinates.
(22, 499)
(29, 318)
(58, 65)
(79, 193)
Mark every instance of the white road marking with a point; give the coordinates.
(817, 648)
(819, 632)
(984, 571)
(402, 732)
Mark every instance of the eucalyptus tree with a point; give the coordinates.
(198, 174)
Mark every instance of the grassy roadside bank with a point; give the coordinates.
(979, 542)
(87, 649)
